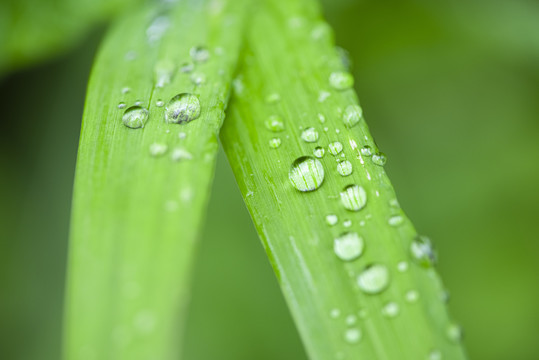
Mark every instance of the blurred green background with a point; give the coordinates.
(450, 90)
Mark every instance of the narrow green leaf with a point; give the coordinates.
(342, 254)
(140, 193)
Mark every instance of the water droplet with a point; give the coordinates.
(345, 57)
(182, 135)
(394, 203)
(125, 90)
(273, 98)
(145, 321)
(187, 67)
(412, 296)
(182, 108)
(435, 355)
(332, 219)
(121, 105)
(373, 279)
(445, 296)
(310, 135)
(135, 117)
(323, 95)
(320, 31)
(341, 80)
(351, 320)
(363, 313)
(157, 29)
(344, 168)
(422, 251)
(352, 115)
(352, 335)
(164, 69)
(306, 173)
(275, 143)
(319, 152)
(198, 78)
(199, 54)
(158, 149)
(130, 55)
(391, 309)
(454, 333)
(379, 159)
(138, 103)
(179, 154)
(335, 148)
(159, 103)
(354, 197)
(402, 266)
(274, 123)
(335, 313)
(347, 223)
(348, 246)
(395, 220)
(366, 150)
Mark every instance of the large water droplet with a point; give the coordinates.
(344, 168)
(352, 115)
(341, 80)
(182, 108)
(391, 309)
(135, 117)
(274, 123)
(335, 148)
(353, 197)
(319, 152)
(373, 279)
(199, 54)
(422, 251)
(379, 159)
(352, 336)
(306, 173)
(348, 246)
(310, 135)
(275, 143)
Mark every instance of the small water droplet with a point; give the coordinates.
(402, 266)
(345, 57)
(199, 54)
(363, 313)
(275, 143)
(125, 90)
(351, 320)
(145, 321)
(121, 105)
(138, 103)
(373, 279)
(182, 135)
(341, 80)
(306, 173)
(435, 355)
(159, 103)
(187, 67)
(348, 246)
(319, 152)
(332, 219)
(379, 159)
(335, 148)
(179, 154)
(321, 118)
(158, 149)
(273, 98)
(366, 150)
(412, 296)
(352, 336)
(310, 135)
(157, 29)
(352, 115)
(335, 313)
(454, 333)
(274, 123)
(354, 197)
(395, 220)
(130, 55)
(323, 95)
(391, 309)
(445, 295)
(182, 108)
(422, 251)
(135, 117)
(164, 70)
(320, 31)
(198, 78)
(344, 168)
(347, 223)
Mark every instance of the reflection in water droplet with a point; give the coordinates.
(319, 152)
(391, 309)
(306, 173)
(158, 149)
(332, 219)
(135, 117)
(352, 115)
(352, 336)
(341, 80)
(422, 251)
(310, 135)
(373, 279)
(379, 159)
(344, 168)
(348, 246)
(182, 108)
(353, 197)
(199, 54)
(335, 148)
(275, 143)
(274, 123)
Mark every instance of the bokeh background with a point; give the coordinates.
(450, 90)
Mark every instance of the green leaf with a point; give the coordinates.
(351, 298)
(140, 193)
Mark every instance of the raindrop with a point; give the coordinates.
(344, 168)
(198, 78)
(319, 152)
(138, 103)
(321, 118)
(352, 115)
(341, 80)
(332, 219)
(335, 148)
(182, 108)
(199, 54)
(351, 320)
(125, 90)
(135, 117)
(352, 335)
(348, 246)
(347, 223)
(412, 296)
(159, 103)
(275, 143)
(306, 173)
(373, 279)
(353, 198)
(454, 333)
(158, 149)
(379, 159)
(323, 95)
(121, 105)
(310, 135)
(391, 309)
(179, 154)
(157, 29)
(395, 220)
(366, 150)
(422, 251)
(182, 135)
(274, 123)
(187, 67)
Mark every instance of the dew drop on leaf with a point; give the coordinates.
(121, 105)
(341, 80)
(310, 135)
(158, 149)
(319, 152)
(306, 173)
(411, 296)
(454, 333)
(395, 220)
(335, 148)
(199, 54)
(135, 117)
(274, 123)
(354, 197)
(373, 279)
(182, 108)
(352, 115)
(391, 309)
(435, 355)
(366, 150)
(275, 143)
(348, 246)
(331, 219)
(352, 336)
(379, 159)
(187, 67)
(344, 168)
(179, 154)
(422, 251)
